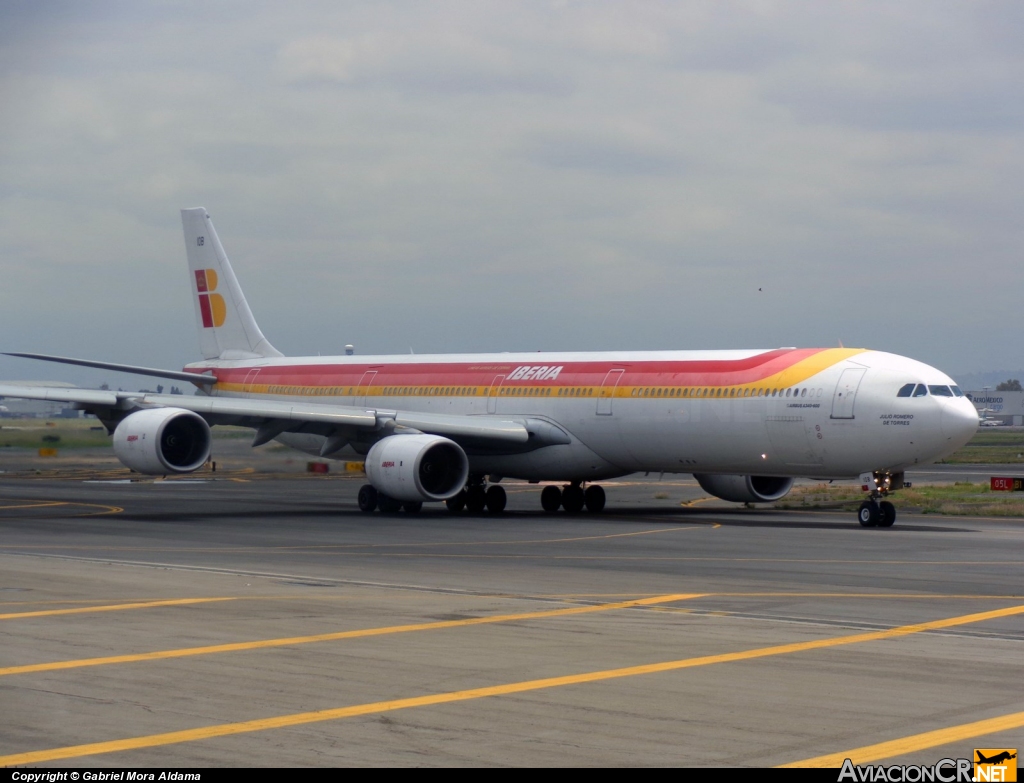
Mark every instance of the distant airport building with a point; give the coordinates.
(1006, 407)
(11, 408)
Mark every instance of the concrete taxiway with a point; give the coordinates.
(265, 621)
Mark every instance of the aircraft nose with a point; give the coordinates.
(959, 421)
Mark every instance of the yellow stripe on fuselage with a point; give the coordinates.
(794, 375)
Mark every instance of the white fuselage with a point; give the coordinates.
(828, 413)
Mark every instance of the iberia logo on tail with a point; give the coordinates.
(211, 305)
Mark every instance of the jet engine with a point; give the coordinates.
(417, 467)
(158, 441)
(744, 489)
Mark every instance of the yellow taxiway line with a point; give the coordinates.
(298, 719)
(915, 742)
(111, 607)
(361, 633)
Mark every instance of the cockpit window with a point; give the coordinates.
(956, 391)
(940, 391)
(905, 390)
(921, 390)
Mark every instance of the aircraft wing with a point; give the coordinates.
(188, 377)
(274, 417)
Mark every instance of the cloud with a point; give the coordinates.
(319, 57)
(516, 175)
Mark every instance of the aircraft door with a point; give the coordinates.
(846, 392)
(607, 392)
(364, 383)
(493, 392)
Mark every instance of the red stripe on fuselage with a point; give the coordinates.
(584, 373)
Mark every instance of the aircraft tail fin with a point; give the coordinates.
(227, 329)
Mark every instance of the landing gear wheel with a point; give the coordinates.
(367, 498)
(495, 499)
(412, 506)
(550, 498)
(572, 499)
(388, 504)
(887, 514)
(593, 498)
(868, 514)
(476, 499)
(457, 503)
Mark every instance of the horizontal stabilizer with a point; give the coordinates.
(188, 377)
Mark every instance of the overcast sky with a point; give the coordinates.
(474, 176)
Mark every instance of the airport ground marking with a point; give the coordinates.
(37, 504)
(696, 502)
(342, 548)
(112, 607)
(915, 742)
(341, 552)
(31, 503)
(318, 716)
(361, 633)
(783, 594)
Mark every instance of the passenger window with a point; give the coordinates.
(940, 391)
(921, 390)
(803, 392)
(905, 390)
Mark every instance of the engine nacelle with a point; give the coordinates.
(744, 489)
(417, 467)
(158, 441)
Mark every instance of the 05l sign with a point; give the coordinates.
(1005, 484)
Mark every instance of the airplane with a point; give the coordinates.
(448, 427)
(996, 759)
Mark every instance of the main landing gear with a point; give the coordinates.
(875, 512)
(476, 497)
(573, 498)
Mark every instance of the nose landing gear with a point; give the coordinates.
(875, 512)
